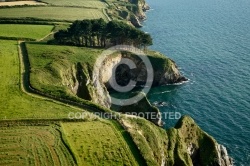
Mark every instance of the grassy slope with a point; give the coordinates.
(98, 143)
(33, 145)
(52, 66)
(191, 133)
(16, 104)
(57, 13)
(157, 145)
(25, 31)
(150, 139)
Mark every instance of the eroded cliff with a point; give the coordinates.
(94, 84)
(132, 11)
(184, 145)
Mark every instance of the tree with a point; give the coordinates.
(92, 33)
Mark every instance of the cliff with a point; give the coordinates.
(201, 147)
(184, 145)
(165, 72)
(132, 11)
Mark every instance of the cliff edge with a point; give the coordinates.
(184, 145)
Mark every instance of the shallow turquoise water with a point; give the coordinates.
(210, 42)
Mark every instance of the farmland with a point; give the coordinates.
(53, 13)
(80, 3)
(18, 3)
(18, 105)
(50, 70)
(98, 143)
(24, 31)
(33, 145)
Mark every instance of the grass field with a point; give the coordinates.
(33, 145)
(98, 143)
(57, 13)
(16, 104)
(81, 3)
(52, 66)
(25, 31)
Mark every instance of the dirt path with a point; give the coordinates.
(45, 36)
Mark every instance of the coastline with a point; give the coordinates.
(185, 144)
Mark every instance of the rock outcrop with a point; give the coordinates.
(165, 71)
(201, 147)
(144, 109)
(133, 12)
(223, 158)
(184, 145)
(89, 84)
(138, 12)
(93, 85)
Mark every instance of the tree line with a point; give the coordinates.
(98, 33)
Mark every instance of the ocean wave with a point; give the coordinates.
(180, 83)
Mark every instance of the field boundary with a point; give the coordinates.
(130, 144)
(16, 38)
(66, 143)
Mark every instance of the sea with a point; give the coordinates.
(210, 42)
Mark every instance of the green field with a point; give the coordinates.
(14, 103)
(24, 31)
(53, 13)
(53, 70)
(33, 145)
(98, 143)
(81, 3)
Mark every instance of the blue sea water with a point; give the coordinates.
(210, 42)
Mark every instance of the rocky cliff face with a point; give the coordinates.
(82, 80)
(201, 148)
(139, 12)
(165, 70)
(223, 158)
(87, 86)
(133, 11)
(184, 145)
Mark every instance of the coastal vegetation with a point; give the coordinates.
(42, 83)
(97, 33)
